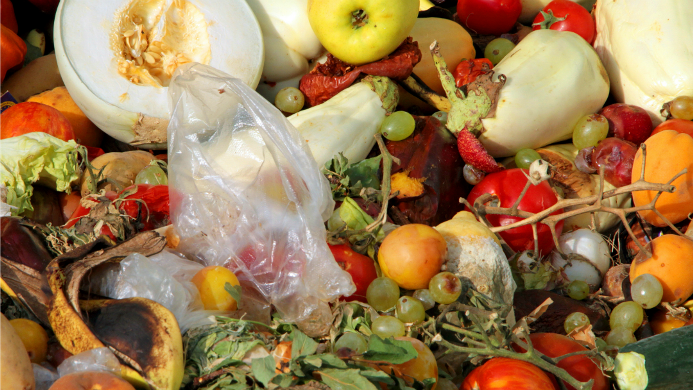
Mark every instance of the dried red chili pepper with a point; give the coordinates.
(468, 70)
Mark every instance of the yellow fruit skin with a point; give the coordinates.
(411, 255)
(464, 224)
(210, 281)
(16, 372)
(34, 338)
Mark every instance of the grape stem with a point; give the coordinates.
(484, 205)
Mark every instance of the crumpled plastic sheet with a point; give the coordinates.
(247, 194)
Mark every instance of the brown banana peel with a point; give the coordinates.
(143, 334)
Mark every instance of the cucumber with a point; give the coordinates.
(668, 359)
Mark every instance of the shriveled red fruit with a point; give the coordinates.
(617, 156)
(628, 122)
(474, 153)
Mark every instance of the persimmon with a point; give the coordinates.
(668, 152)
(671, 263)
(660, 322)
(91, 380)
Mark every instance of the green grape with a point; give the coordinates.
(600, 344)
(682, 108)
(442, 116)
(620, 337)
(445, 287)
(410, 309)
(354, 341)
(647, 291)
(578, 290)
(289, 100)
(575, 320)
(589, 130)
(382, 294)
(386, 326)
(151, 174)
(628, 315)
(424, 295)
(472, 175)
(525, 157)
(497, 49)
(398, 126)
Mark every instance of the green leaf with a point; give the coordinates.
(263, 369)
(331, 360)
(236, 292)
(376, 376)
(313, 361)
(283, 380)
(345, 379)
(366, 172)
(390, 350)
(302, 345)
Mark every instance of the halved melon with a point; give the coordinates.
(117, 57)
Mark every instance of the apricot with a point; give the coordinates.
(34, 338)
(29, 117)
(86, 132)
(671, 263)
(91, 380)
(668, 153)
(210, 281)
(411, 255)
(423, 366)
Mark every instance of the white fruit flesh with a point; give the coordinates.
(85, 36)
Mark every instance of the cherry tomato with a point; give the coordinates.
(579, 367)
(680, 125)
(504, 373)
(565, 15)
(508, 185)
(360, 267)
(489, 17)
(468, 70)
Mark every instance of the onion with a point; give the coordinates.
(593, 260)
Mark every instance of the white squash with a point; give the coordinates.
(289, 43)
(647, 48)
(132, 105)
(348, 121)
(530, 8)
(554, 78)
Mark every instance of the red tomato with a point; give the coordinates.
(680, 125)
(147, 204)
(504, 373)
(489, 17)
(69, 203)
(579, 367)
(565, 15)
(507, 185)
(360, 267)
(468, 70)
(82, 211)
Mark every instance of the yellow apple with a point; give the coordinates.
(362, 31)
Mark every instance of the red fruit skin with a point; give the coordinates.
(360, 267)
(7, 17)
(31, 117)
(577, 19)
(680, 125)
(628, 122)
(46, 6)
(468, 70)
(474, 153)
(617, 156)
(489, 17)
(508, 185)
(505, 374)
(579, 367)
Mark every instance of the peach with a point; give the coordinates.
(86, 132)
(30, 117)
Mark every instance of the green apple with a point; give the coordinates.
(362, 31)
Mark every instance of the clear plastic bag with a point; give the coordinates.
(163, 278)
(97, 359)
(247, 194)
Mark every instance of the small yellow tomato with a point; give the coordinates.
(210, 281)
(34, 338)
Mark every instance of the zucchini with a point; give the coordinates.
(668, 359)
